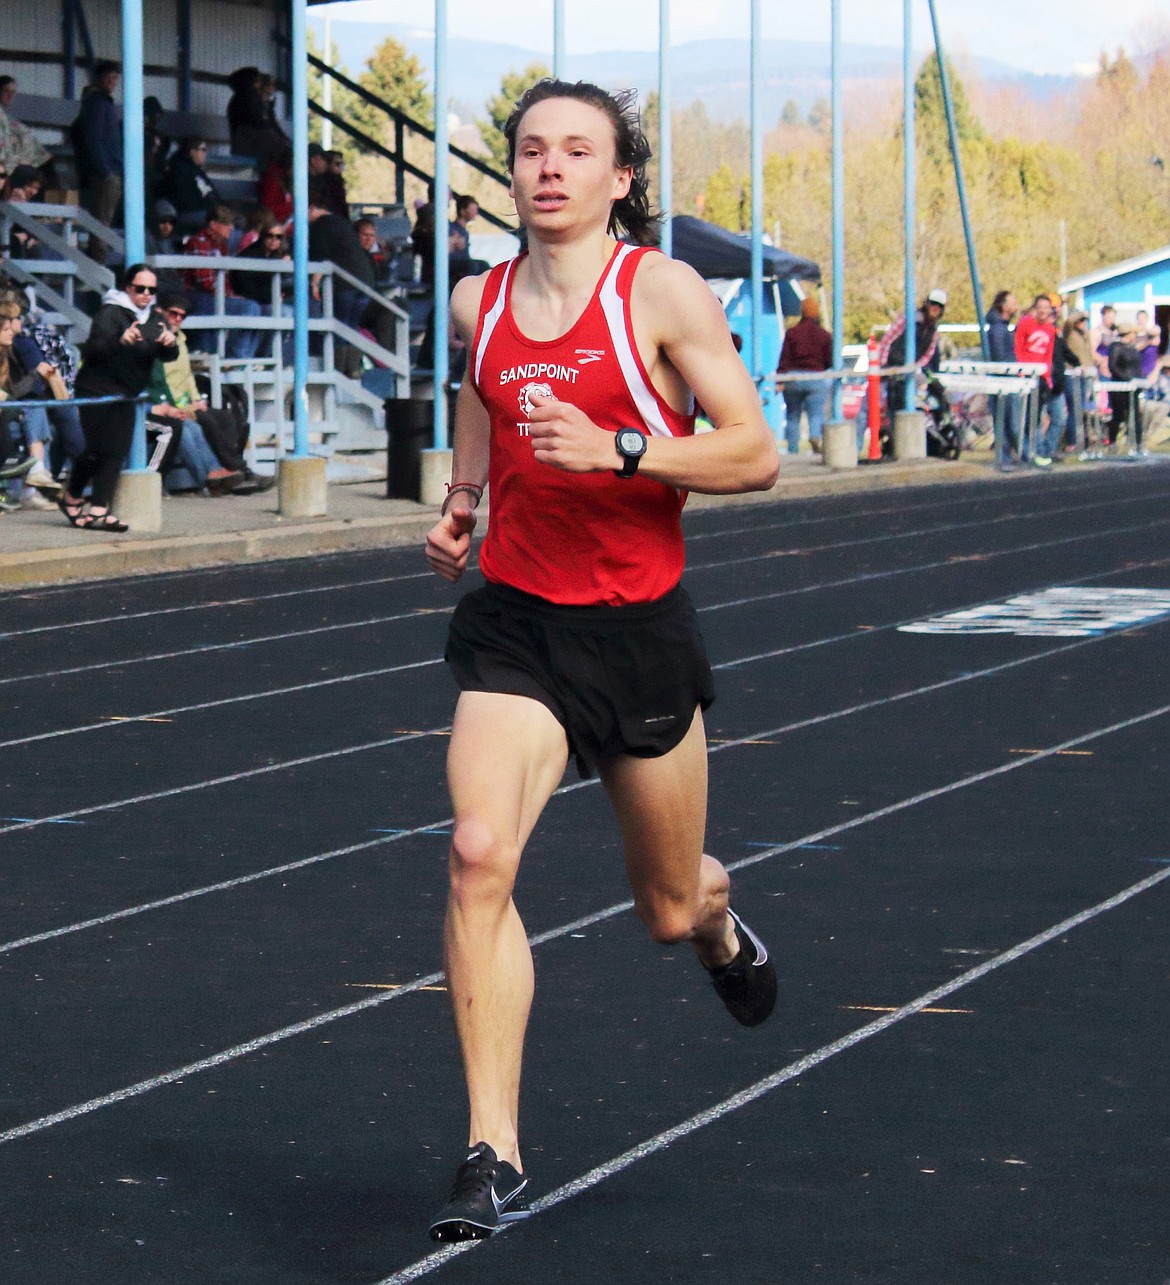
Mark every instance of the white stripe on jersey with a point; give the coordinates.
(489, 322)
(615, 318)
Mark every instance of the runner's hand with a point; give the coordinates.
(449, 541)
(566, 438)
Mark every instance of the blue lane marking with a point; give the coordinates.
(1155, 861)
(43, 821)
(427, 830)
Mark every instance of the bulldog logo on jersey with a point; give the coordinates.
(528, 392)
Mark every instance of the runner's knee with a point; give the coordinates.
(483, 863)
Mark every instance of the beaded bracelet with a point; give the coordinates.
(453, 487)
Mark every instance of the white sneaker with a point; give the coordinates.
(1042, 461)
(42, 479)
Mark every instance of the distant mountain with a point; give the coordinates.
(715, 71)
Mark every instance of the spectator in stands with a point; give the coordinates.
(39, 342)
(1125, 365)
(270, 244)
(253, 129)
(275, 189)
(156, 147)
(29, 425)
(36, 346)
(328, 180)
(162, 238)
(267, 87)
(422, 238)
(1035, 342)
(367, 233)
(125, 339)
(1001, 347)
(212, 242)
(458, 236)
(1147, 340)
(18, 144)
(333, 240)
(225, 432)
(1079, 357)
(188, 187)
(1103, 337)
(808, 347)
(97, 147)
(24, 184)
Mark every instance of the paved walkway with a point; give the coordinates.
(40, 548)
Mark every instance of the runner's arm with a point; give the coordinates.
(449, 540)
(693, 335)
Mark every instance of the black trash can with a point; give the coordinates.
(409, 430)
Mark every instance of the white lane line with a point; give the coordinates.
(239, 645)
(33, 822)
(107, 725)
(229, 779)
(225, 885)
(919, 532)
(430, 611)
(799, 725)
(753, 1093)
(1012, 491)
(956, 560)
(213, 605)
(299, 1028)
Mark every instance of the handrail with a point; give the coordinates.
(22, 214)
(396, 360)
(372, 144)
(396, 114)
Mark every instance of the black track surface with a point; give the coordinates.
(224, 826)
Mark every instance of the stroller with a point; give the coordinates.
(943, 436)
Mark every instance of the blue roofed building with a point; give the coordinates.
(1132, 286)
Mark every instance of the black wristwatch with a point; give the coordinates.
(631, 446)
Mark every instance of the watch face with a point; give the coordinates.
(630, 442)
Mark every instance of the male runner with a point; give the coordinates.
(584, 360)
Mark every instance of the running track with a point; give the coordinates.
(223, 827)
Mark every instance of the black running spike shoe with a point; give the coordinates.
(484, 1198)
(748, 984)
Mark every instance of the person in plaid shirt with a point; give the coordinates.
(212, 242)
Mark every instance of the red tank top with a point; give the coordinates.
(575, 538)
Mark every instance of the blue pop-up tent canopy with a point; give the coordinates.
(715, 252)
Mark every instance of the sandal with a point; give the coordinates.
(101, 522)
(73, 511)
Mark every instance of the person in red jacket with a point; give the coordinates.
(808, 347)
(585, 355)
(1036, 343)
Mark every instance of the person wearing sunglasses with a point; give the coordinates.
(127, 336)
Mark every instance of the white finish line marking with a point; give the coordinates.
(745, 1097)
(1060, 612)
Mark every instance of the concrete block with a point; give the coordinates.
(839, 444)
(434, 474)
(303, 492)
(909, 435)
(138, 500)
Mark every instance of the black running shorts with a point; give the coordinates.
(619, 680)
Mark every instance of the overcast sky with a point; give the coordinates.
(1043, 35)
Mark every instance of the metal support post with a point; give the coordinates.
(909, 196)
(300, 124)
(665, 140)
(442, 198)
(838, 209)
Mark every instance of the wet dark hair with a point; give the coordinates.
(632, 213)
